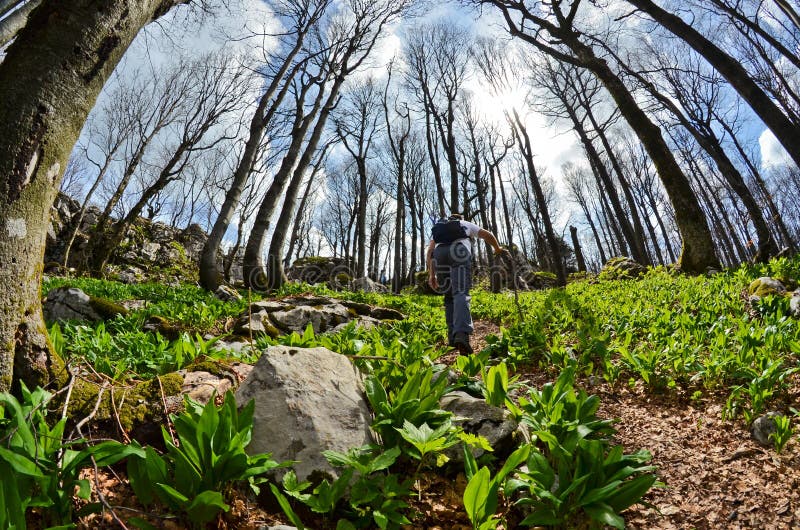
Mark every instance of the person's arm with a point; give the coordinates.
(432, 281)
(491, 240)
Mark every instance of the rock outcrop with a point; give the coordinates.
(71, 303)
(367, 285)
(319, 269)
(150, 250)
(307, 400)
(278, 317)
(621, 268)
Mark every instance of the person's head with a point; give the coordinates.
(455, 217)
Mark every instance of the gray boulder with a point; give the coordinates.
(307, 400)
(71, 303)
(622, 267)
(762, 427)
(794, 304)
(367, 285)
(478, 417)
(227, 294)
(765, 286)
(131, 275)
(288, 315)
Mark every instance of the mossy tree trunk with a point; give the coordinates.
(49, 82)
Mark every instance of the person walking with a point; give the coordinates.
(449, 259)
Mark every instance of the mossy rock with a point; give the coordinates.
(621, 268)
(167, 329)
(311, 260)
(421, 283)
(212, 366)
(106, 308)
(133, 406)
(766, 286)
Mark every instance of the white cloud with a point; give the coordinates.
(772, 152)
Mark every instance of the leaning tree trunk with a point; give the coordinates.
(50, 80)
(268, 105)
(787, 132)
(13, 23)
(698, 246)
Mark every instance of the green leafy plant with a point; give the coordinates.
(416, 402)
(783, 432)
(482, 491)
(365, 494)
(196, 473)
(39, 468)
(590, 483)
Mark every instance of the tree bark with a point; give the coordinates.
(573, 231)
(698, 247)
(50, 79)
(552, 241)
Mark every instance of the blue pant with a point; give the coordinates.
(453, 267)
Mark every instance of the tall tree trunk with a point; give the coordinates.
(787, 133)
(573, 231)
(50, 79)
(775, 214)
(275, 273)
(638, 244)
(209, 274)
(361, 218)
(297, 218)
(552, 241)
(252, 267)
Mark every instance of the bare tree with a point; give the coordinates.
(357, 125)
(300, 17)
(350, 40)
(438, 65)
(216, 88)
(787, 133)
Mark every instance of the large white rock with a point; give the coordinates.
(794, 304)
(70, 303)
(308, 400)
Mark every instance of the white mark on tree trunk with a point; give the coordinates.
(54, 172)
(17, 228)
(31, 168)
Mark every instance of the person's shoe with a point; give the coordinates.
(461, 342)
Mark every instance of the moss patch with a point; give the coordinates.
(106, 308)
(134, 405)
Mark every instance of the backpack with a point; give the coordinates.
(445, 232)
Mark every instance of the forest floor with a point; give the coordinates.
(715, 476)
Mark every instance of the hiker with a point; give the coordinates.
(450, 272)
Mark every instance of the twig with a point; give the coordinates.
(125, 436)
(166, 411)
(92, 414)
(69, 395)
(102, 497)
